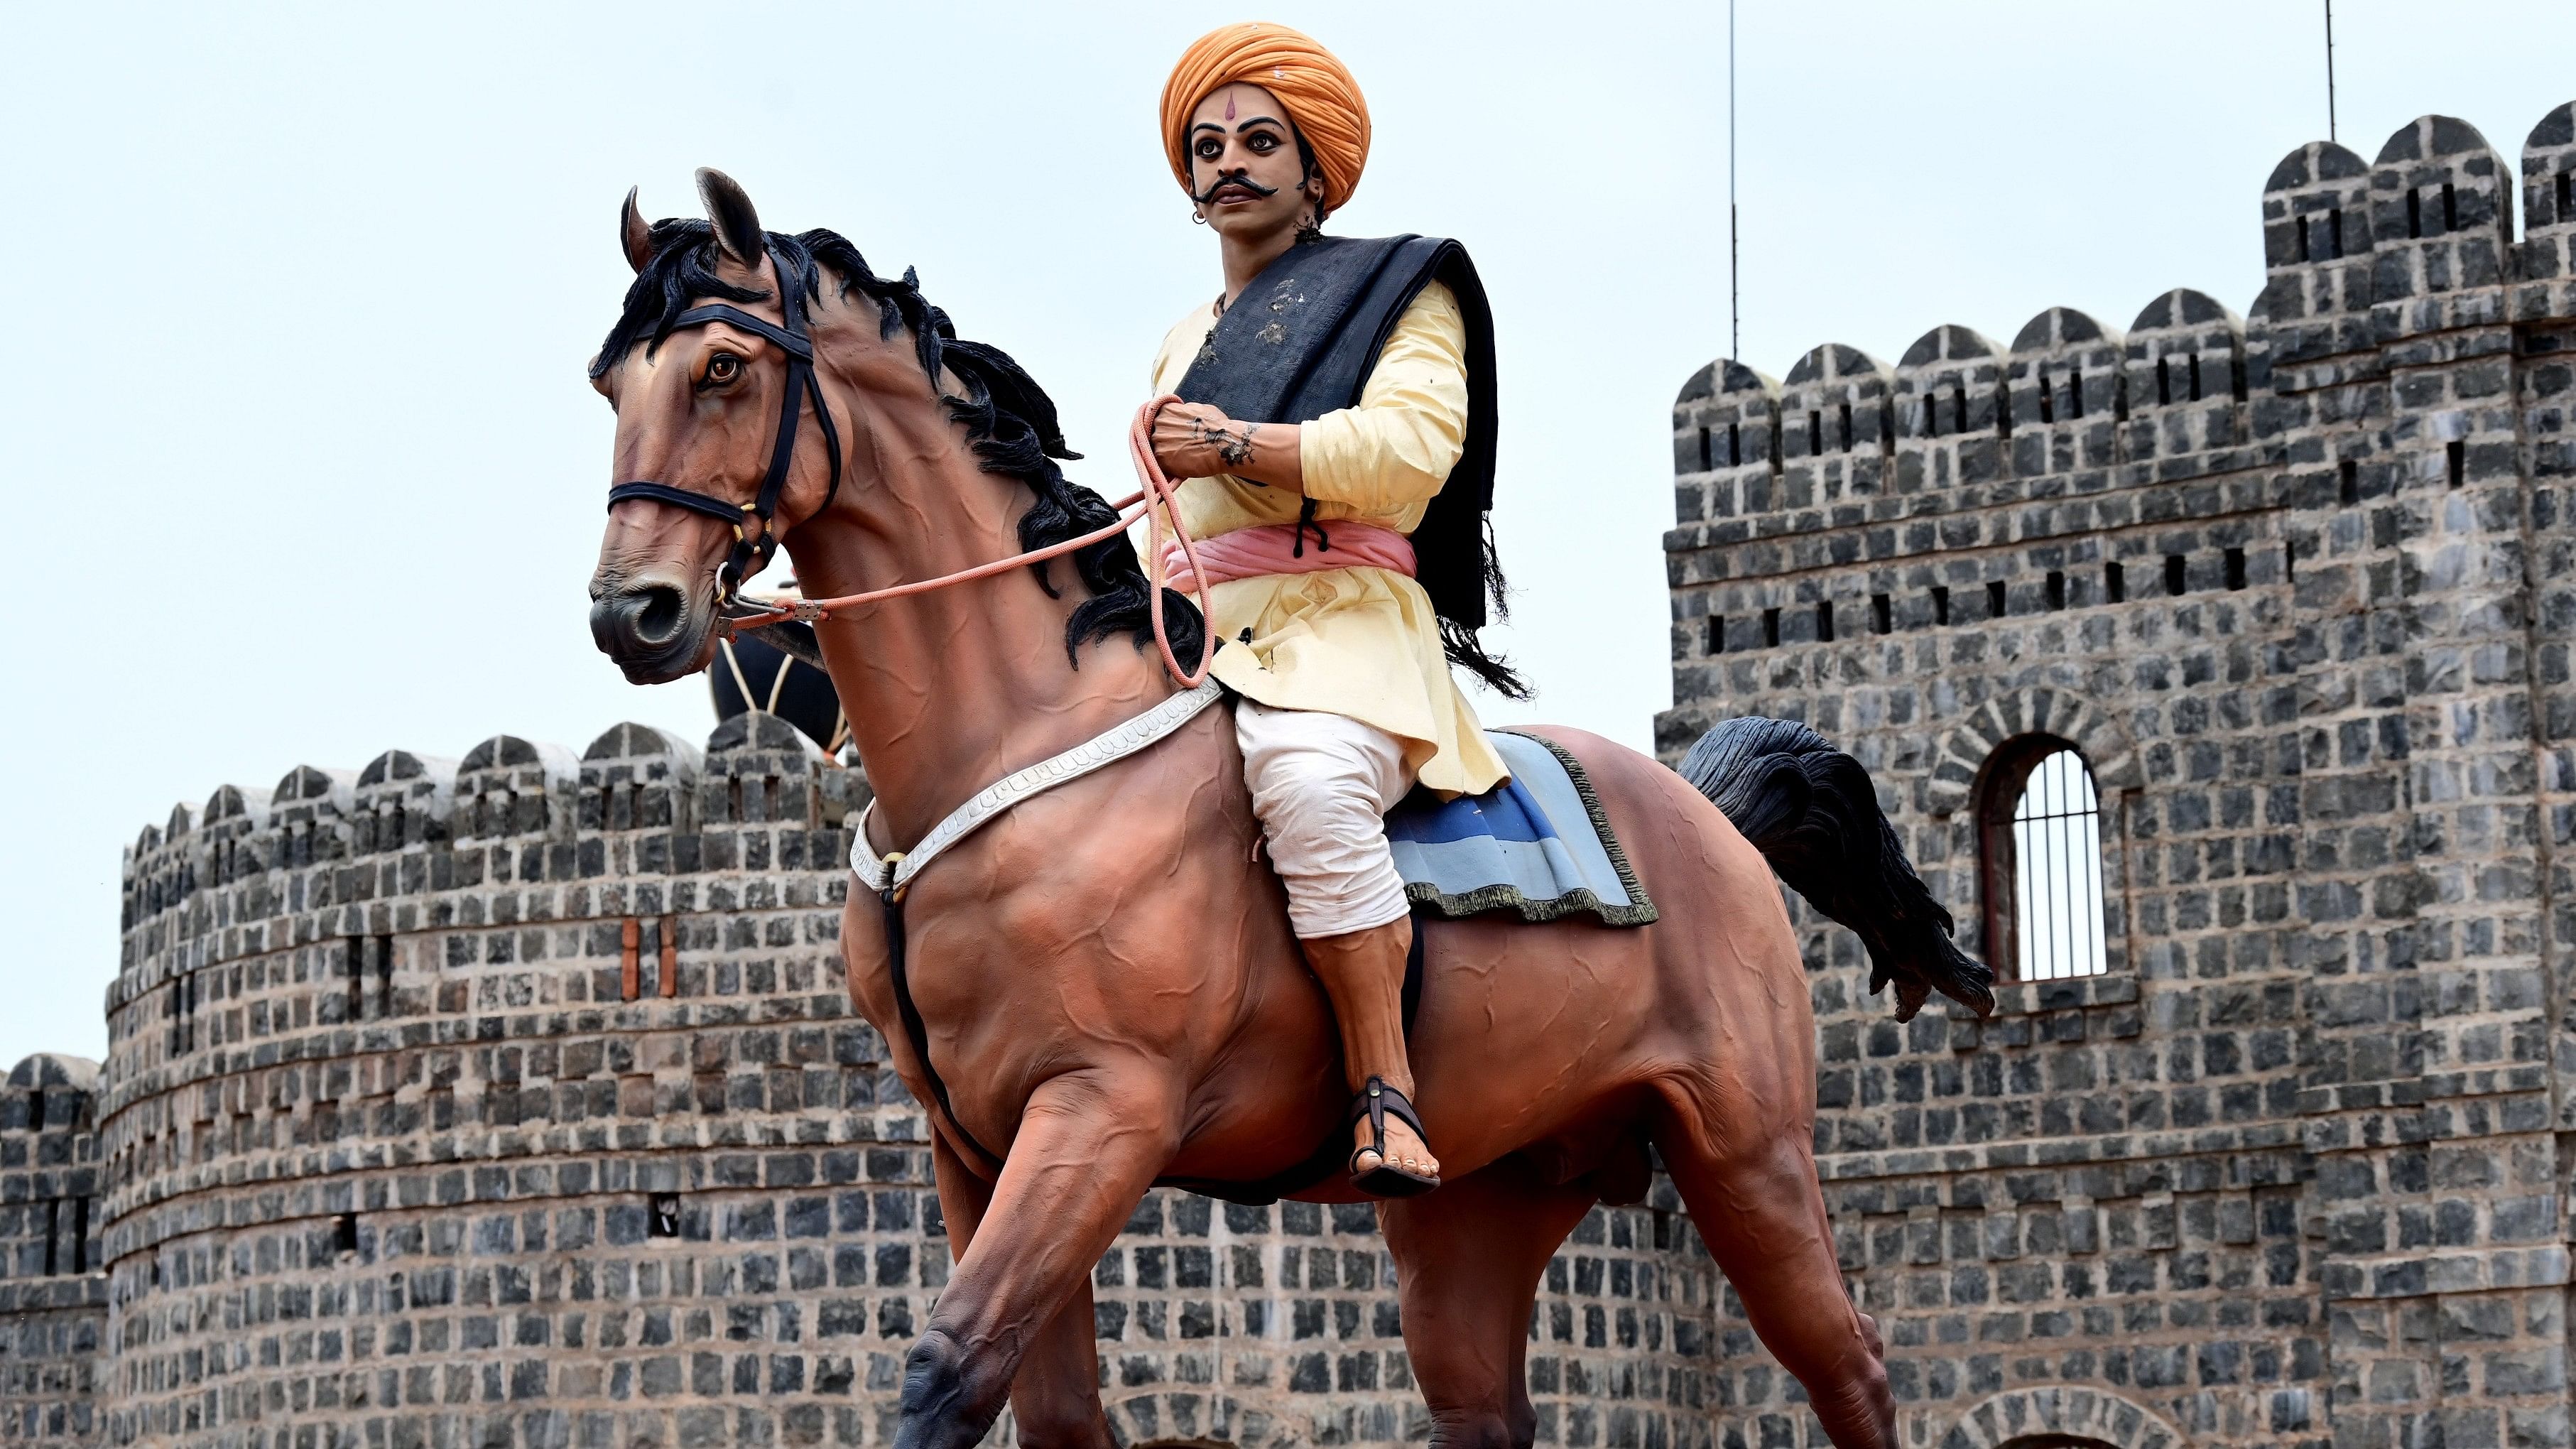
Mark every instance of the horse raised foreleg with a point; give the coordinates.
(1088, 1146)
(1468, 1261)
(1055, 1397)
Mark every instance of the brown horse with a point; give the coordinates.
(1104, 975)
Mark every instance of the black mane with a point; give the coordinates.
(1009, 419)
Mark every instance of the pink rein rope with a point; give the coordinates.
(1153, 502)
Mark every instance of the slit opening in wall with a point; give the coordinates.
(1882, 615)
(1705, 460)
(2115, 585)
(1940, 605)
(2056, 589)
(2450, 208)
(1886, 427)
(2120, 396)
(2003, 409)
(2194, 368)
(53, 1233)
(2455, 458)
(2174, 574)
(2303, 239)
(1815, 432)
(2164, 382)
(344, 1234)
(1846, 428)
(384, 975)
(662, 1216)
(80, 1235)
(1713, 635)
(2289, 562)
(36, 1110)
(2567, 196)
(2348, 482)
(1771, 628)
(1824, 621)
(1775, 443)
(1958, 407)
(1995, 599)
(2075, 392)
(2047, 403)
(1735, 445)
(2236, 376)
(2414, 211)
(2236, 568)
(2334, 231)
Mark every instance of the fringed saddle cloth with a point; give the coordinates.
(1537, 844)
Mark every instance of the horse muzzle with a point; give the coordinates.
(655, 631)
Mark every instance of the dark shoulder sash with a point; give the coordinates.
(1301, 341)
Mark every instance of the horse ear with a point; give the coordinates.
(633, 234)
(737, 225)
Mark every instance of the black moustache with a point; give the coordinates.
(1239, 178)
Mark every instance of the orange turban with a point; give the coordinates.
(1323, 101)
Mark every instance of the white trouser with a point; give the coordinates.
(1322, 784)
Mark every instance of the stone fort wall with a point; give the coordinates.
(516, 1100)
(2299, 586)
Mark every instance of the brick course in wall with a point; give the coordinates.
(2299, 588)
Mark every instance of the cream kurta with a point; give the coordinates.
(1362, 642)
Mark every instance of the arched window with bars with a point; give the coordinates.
(2041, 836)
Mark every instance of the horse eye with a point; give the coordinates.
(723, 367)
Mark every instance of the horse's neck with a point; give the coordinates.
(951, 690)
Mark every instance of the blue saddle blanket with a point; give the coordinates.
(1538, 844)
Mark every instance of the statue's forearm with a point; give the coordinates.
(1265, 453)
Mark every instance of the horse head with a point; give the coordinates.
(744, 386)
(726, 440)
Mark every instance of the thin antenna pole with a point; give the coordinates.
(2330, 99)
(1734, 292)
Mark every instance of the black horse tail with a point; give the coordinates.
(1811, 811)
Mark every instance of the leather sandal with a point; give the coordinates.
(1374, 1103)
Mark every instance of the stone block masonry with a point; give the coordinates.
(517, 1100)
(2299, 589)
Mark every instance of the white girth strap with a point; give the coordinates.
(1104, 749)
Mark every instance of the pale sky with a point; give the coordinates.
(301, 466)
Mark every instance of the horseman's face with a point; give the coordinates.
(1245, 174)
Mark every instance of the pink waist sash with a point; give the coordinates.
(1247, 553)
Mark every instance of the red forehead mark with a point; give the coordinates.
(1229, 107)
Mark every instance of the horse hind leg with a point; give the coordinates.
(1468, 1262)
(1756, 1203)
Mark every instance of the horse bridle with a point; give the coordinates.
(752, 552)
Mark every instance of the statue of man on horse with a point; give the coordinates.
(1063, 921)
(1326, 402)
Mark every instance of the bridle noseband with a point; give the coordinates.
(752, 552)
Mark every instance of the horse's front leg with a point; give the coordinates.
(1090, 1143)
(1056, 1394)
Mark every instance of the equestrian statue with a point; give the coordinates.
(1152, 889)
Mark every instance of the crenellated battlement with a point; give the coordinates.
(2291, 598)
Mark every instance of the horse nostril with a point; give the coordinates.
(658, 615)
